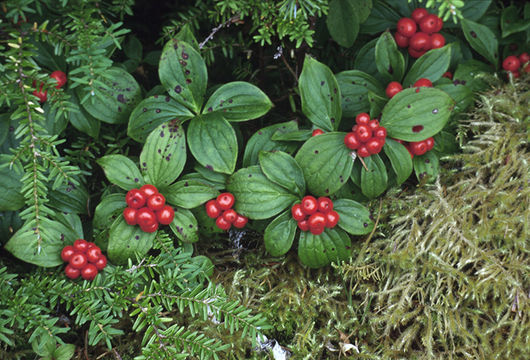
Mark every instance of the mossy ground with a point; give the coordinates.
(445, 276)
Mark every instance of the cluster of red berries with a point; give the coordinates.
(394, 87)
(221, 210)
(84, 258)
(419, 42)
(367, 136)
(513, 63)
(315, 214)
(147, 208)
(418, 147)
(61, 79)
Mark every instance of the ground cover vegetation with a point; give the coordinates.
(246, 179)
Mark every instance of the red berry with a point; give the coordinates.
(363, 151)
(423, 82)
(374, 146)
(80, 245)
(351, 141)
(401, 41)
(430, 143)
(317, 222)
(515, 74)
(380, 133)
(317, 132)
(101, 263)
(165, 215)
(145, 216)
(429, 24)
(363, 132)
(149, 227)
(93, 254)
(448, 75)
(418, 147)
(406, 27)
(437, 41)
(511, 63)
(135, 198)
(156, 202)
(78, 260)
(222, 223)
(303, 225)
(89, 272)
(230, 215)
(416, 54)
(393, 88)
(297, 212)
(129, 214)
(60, 77)
(67, 252)
(212, 209)
(419, 14)
(420, 42)
(373, 124)
(42, 95)
(324, 204)
(309, 205)
(362, 119)
(148, 190)
(524, 58)
(225, 201)
(240, 221)
(439, 24)
(71, 272)
(408, 147)
(332, 218)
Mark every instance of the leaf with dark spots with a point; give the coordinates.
(121, 98)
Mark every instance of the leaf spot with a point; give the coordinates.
(417, 128)
(188, 81)
(121, 98)
(435, 111)
(322, 83)
(137, 237)
(158, 111)
(473, 34)
(178, 89)
(144, 109)
(185, 56)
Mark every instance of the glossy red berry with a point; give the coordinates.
(363, 151)
(156, 202)
(240, 221)
(423, 82)
(101, 262)
(437, 41)
(80, 245)
(303, 225)
(419, 14)
(89, 272)
(222, 223)
(165, 215)
(363, 132)
(129, 214)
(230, 215)
(416, 54)
(351, 141)
(67, 252)
(78, 260)
(418, 147)
(324, 204)
(448, 75)
(406, 27)
(225, 201)
(149, 227)
(429, 24)
(332, 219)
(511, 63)
(148, 190)
(420, 42)
(317, 222)
(393, 88)
(212, 209)
(401, 41)
(297, 212)
(430, 143)
(71, 272)
(145, 216)
(42, 95)
(317, 132)
(135, 198)
(362, 119)
(309, 205)
(524, 58)
(374, 146)
(439, 24)
(380, 133)
(93, 254)
(60, 77)
(373, 125)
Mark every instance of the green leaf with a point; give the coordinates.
(416, 114)
(388, 59)
(471, 73)
(354, 88)
(110, 207)
(82, 120)
(512, 21)
(125, 241)
(426, 166)
(283, 170)
(461, 95)
(184, 226)
(320, 95)
(256, 196)
(213, 142)
(185, 34)
(431, 65)
(279, 234)
(475, 9)
(164, 154)
(296, 135)
(64, 352)
(342, 22)
(4, 126)
(11, 198)
(377, 103)
(363, 8)
(188, 194)
(70, 198)
(354, 218)
(46, 251)
(399, 158)
(152, 112)
(316, 251)
(115, 103)
(133, 48)
(121, 171)
(183, 74)
(482, 39)
(326, 163)
(262, 140)
(238, 101)
(382, 17)
(374, 181)
(365, 60)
